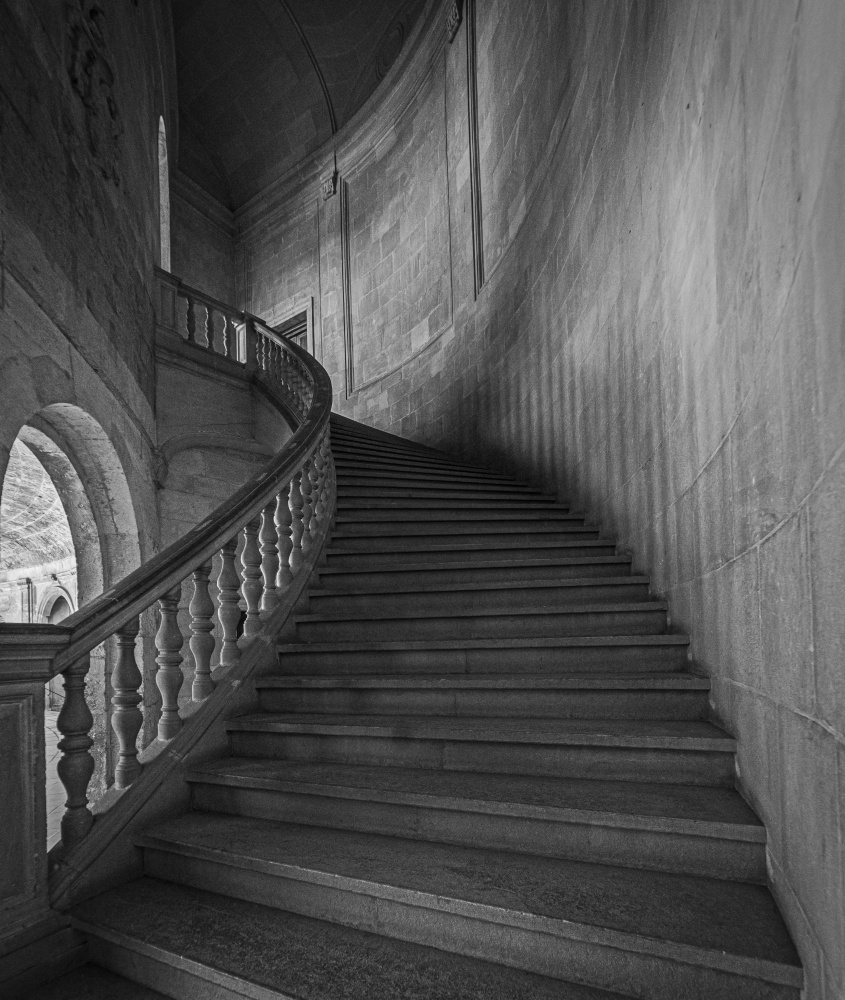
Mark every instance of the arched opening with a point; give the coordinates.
(67, 531)
(163, 196)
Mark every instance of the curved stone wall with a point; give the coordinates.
(658, 337)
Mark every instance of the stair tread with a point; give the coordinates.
(520, 682)
(90, 982)
(719, 811)
(286, 955)
(726, 924)
(424, 567)
(520, 546)
(437, 588)
(631, 733)
(528, 642)
(627, 607)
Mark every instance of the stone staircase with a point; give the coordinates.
(484, 769)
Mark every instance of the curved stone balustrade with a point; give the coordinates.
(266, 568)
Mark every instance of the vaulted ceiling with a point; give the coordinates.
(263, 83)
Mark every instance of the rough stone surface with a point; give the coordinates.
(659, 339)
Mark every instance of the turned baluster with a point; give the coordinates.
(326, 451)
(315, 492)
(252, 586)
(76, 764)
(284, 577)
(169, 675)
(295, 503)
(269, 557)
(230, 337)
(307, 505)
(228, 584)
(126, 720)
(191, 321)
(321, 464)
(202, 625)
(209, 327)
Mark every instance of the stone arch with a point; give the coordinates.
(50, 602)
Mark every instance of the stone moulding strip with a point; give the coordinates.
(474, 157)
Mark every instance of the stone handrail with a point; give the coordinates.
(266, 537)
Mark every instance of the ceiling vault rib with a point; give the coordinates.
(307, 46)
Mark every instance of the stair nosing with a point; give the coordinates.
(424, 730)
(498, 681)
(560, 927)
(744, 832)
(634, 607)
(493, 585)
(487, 564)
(571, 641)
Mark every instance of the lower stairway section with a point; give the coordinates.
(485, 769)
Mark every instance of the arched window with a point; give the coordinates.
(163, 196)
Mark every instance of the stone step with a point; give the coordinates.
(428, 536)
(407, 577)
(550, 514)
(356, 505)
(454, 597)
(384, 552)
(629, 618)
(398, 475)
(91, 982)
(606, 654)
(351, 462)
(360, 435)
(689, 752)
(435, 493)
(660, 696)
(547, 529)
(190, 943)
(678, 828)
(347, 485)
(650, 933)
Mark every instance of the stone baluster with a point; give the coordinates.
(202, 641)
(315, 475)
(230, 337)
(284, 577)
(269, 558)
(169, 675)
(295, 503)
(76, 764)
(229, 613)
(209, 327)
(321, 466)
(252, 586)
(326, 452)
(126, 720)
(307, 505)
(191, 320)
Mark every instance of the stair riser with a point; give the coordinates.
(527, 541)
(380, 553)
(694, 767)
(349, 467)
(352, 506)
(571, 704)
(412, 579)
(377, 488)
(601, 844)
(438, 515)
(441, 529)
(409, 919)
(159, 971)
(553, 660)
(476, 600)
(540, 626)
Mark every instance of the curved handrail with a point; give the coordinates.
(273, 528)
(103, 616)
